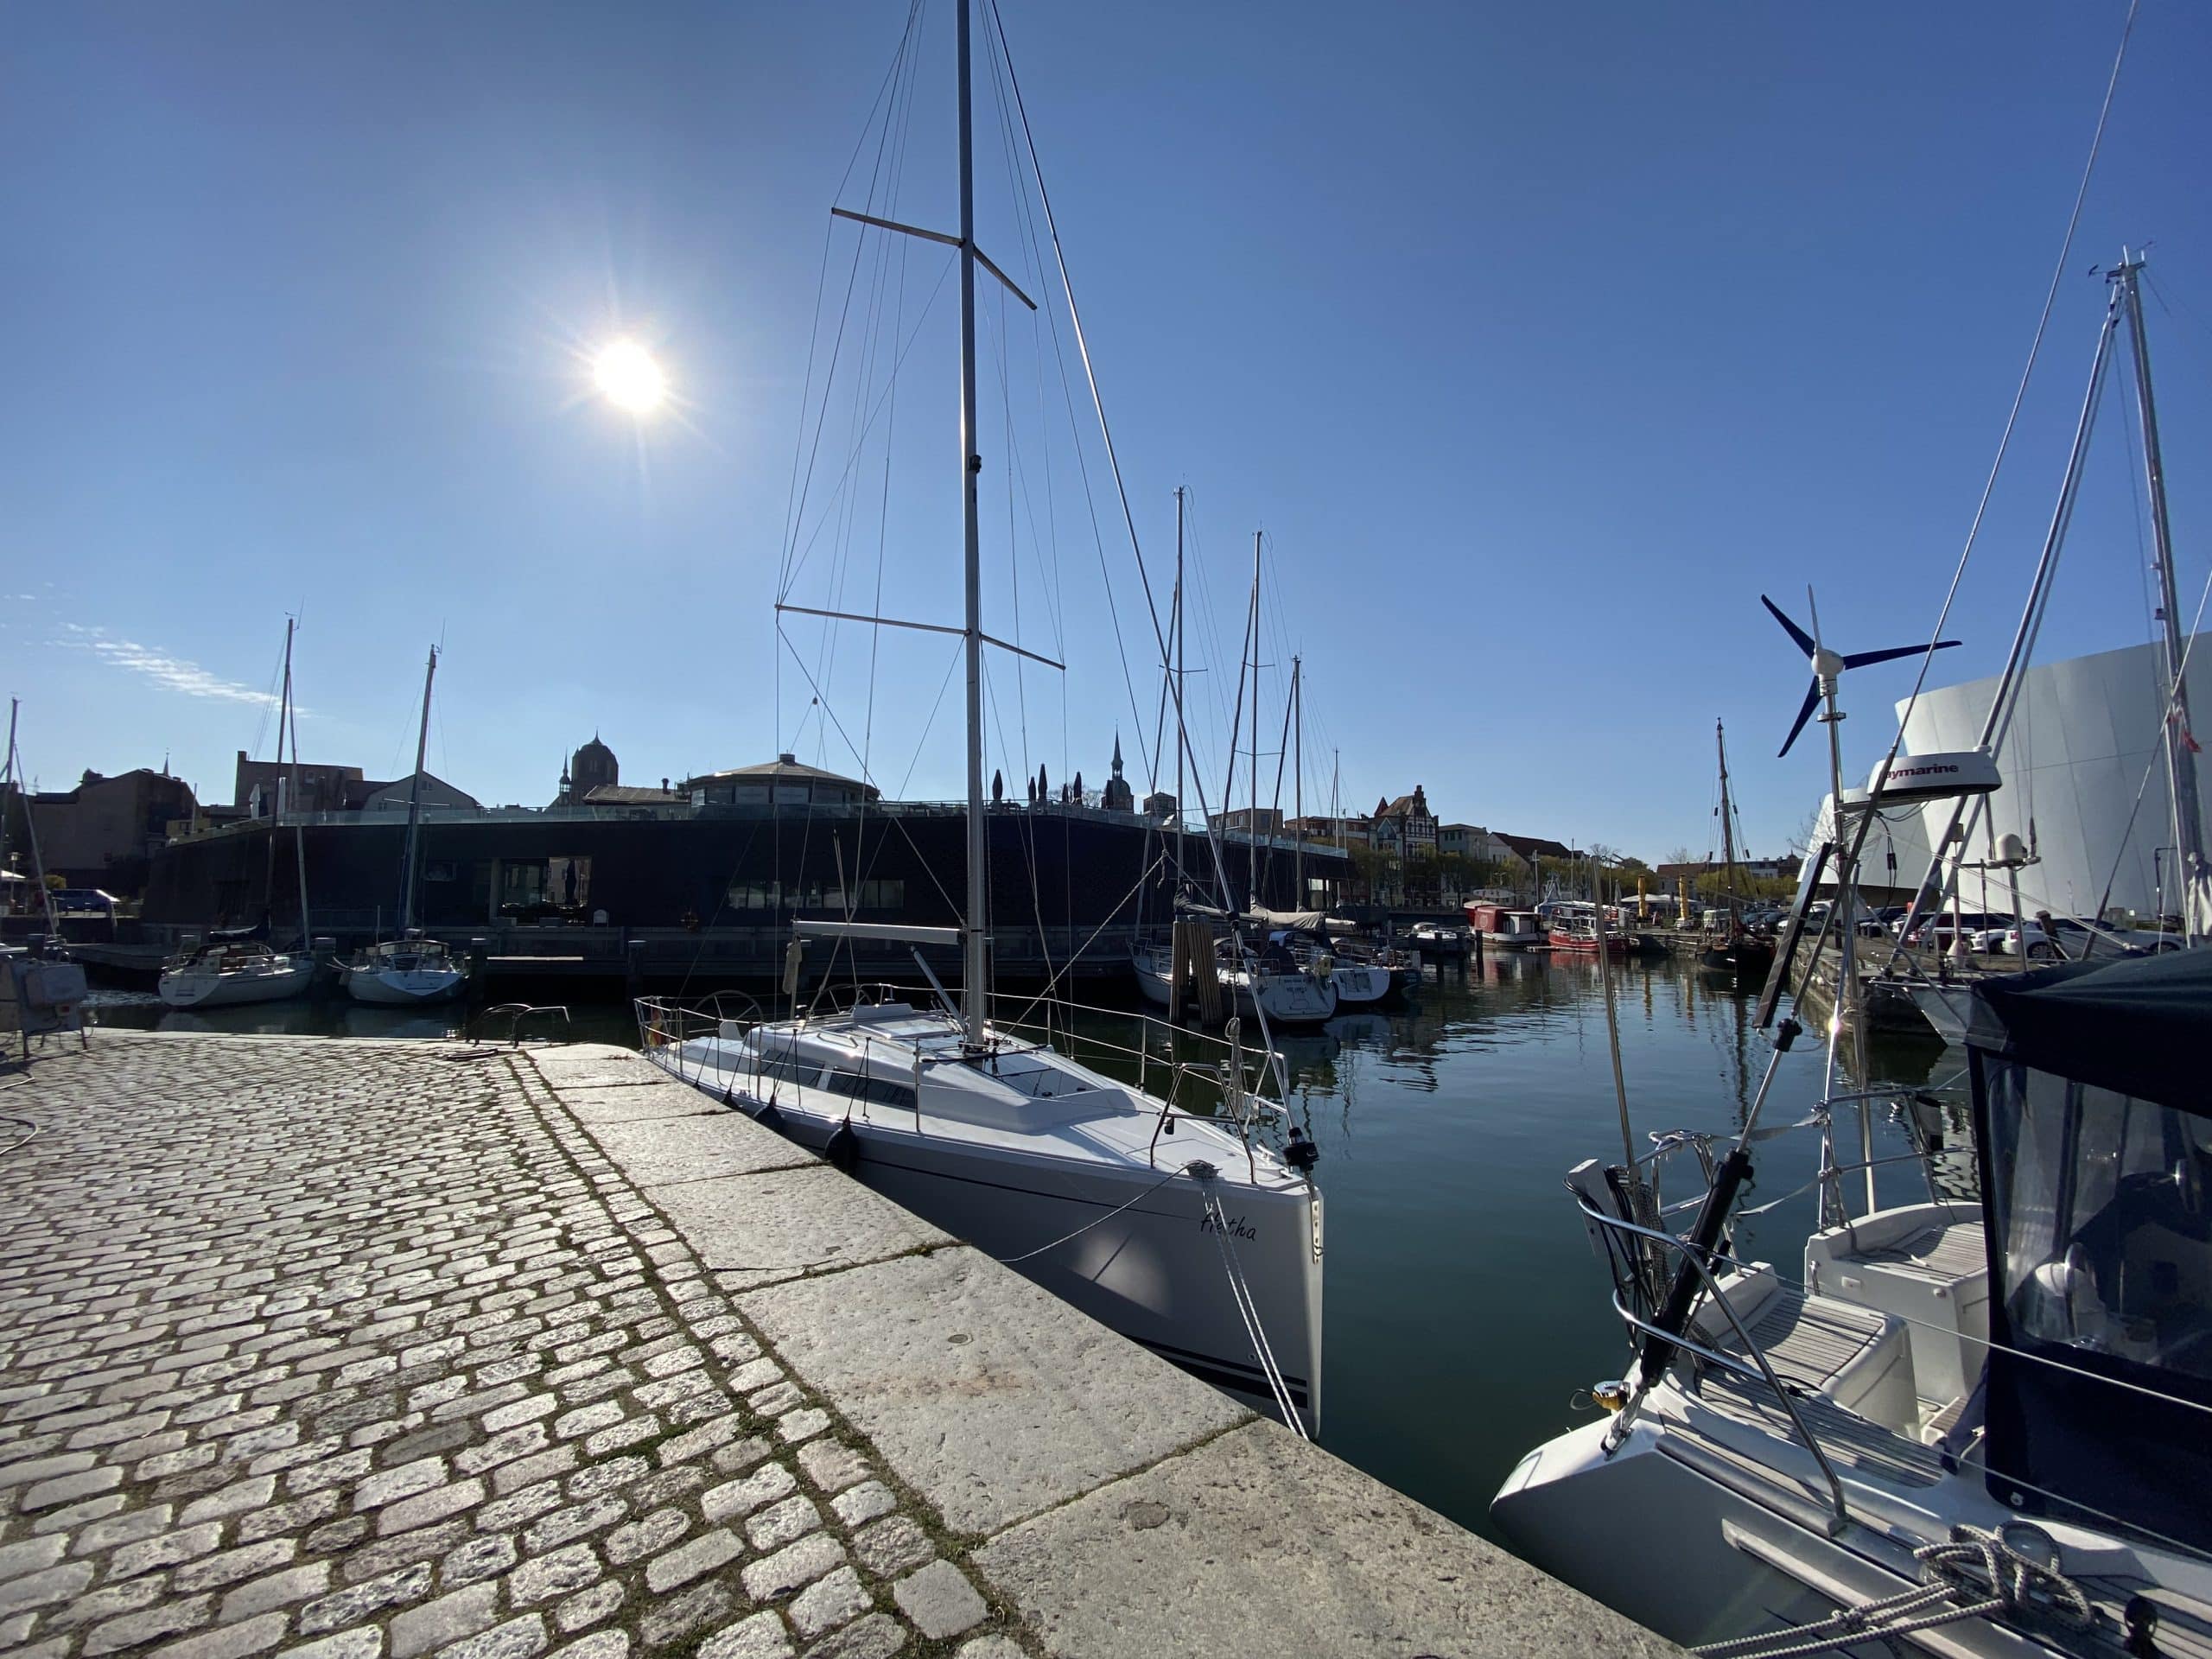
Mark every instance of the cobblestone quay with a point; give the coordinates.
(355, 1349)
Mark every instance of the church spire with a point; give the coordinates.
(1117, 753)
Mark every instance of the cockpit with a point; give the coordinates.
(2094, 1126)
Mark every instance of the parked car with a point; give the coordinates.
(83, 900)
(1937, 932)
(1876, 922)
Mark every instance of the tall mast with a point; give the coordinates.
(975, 955)
(7, 783)
(2181, 760)
(276, 795)
(1298, 783)
(291, 722)
(1252, 823)
(1727, 824)
(415, 802)
(1175, 667)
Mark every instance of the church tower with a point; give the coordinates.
(590, 767)
(1118, 796)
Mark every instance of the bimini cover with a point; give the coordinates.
(2138, 1026)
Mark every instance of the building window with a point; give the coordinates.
(883, 895)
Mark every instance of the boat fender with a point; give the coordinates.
(769, 1118)
(1301, 1154)
(843, 1150)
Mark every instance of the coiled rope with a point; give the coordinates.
(2000, 1579)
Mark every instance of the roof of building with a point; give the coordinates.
(1416, 803)
(358, 791)
(632, 794)
(783, 766)
(1534, 846)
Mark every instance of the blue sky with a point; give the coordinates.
(1540, 339)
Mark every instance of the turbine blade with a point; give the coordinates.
(1804, 713)
(1804, 639)
(1860, 659)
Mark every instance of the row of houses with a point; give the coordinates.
(1406, 826)
(103, 833)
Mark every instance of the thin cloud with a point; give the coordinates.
(171, 673)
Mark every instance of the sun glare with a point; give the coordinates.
(628, 378)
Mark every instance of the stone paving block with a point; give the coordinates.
(940, 1601)
(877, 1637)
(827, 1603)
(863, 1503)
(794, 1565)
(48, 1585)
(365, 1643)
(676, 1617)
(706, 1554)
(892, 1546)
(519, 1638)
(434, 1623)
(293, 1584)
(750, 1230)
(832, 1468)
(988, 1430)
(760, 1636)
(228, 1641)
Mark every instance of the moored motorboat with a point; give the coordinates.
(1502, 928)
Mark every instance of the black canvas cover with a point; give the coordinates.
(2138, 1026)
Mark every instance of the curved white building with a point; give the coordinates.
(2083, 741)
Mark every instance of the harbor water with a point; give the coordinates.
(1467, 1314)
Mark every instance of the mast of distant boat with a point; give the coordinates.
(1298, 785)
(291, 720)
(414, 804)
(1176, 668)
(2181, 753)
(7, 783)
(1727, 830)
(1252, 823)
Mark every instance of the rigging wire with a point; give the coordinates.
(2012, 420)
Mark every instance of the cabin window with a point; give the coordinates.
(2103, 1207)
(2100, 1219)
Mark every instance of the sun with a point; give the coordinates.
(628, 378)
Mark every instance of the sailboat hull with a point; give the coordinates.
(1147, 1259)
(194, 989)
(404, 987)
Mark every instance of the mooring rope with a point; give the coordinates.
(2016, 1583)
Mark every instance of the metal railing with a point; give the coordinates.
(1758, 1370)
(666, 1027)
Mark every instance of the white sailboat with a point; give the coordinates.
(413, 968)
(228, 969)
(1185, 1230)
(1973, 1426)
